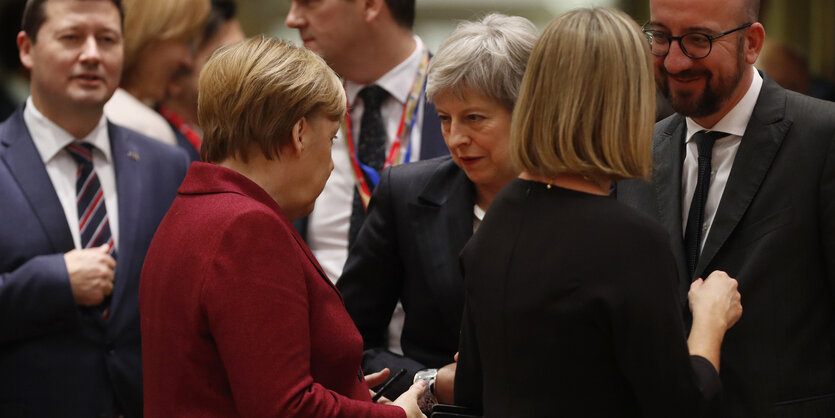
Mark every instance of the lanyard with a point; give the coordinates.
(399, 153)
(191, 135)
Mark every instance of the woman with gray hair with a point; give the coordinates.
(422, 214)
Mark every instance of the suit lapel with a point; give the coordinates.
(27, 167)
(442, 219)
(129, 187)
(666, 154)
(759, 146)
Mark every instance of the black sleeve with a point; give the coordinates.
(468, 377)
(649, 336)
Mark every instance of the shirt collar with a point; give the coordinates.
(735, 122)
(398, 81)
(50, 138)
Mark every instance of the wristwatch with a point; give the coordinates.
(428, 400)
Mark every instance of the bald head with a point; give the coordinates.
(751, 10)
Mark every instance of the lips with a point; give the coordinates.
(469, 160)
(88, 78)
(686, 77)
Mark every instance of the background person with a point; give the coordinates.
(422, 214)
(180, 106)
(243, 320)
(159, 38)
(81, 199)
(571, 307)
(370, 45)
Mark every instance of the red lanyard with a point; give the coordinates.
(396, 154)
(193, 137)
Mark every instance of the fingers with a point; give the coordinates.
(91, 273)
(409, 399)
(376, 379)
(108, 260)
(107, 287)
(717, 273)
(696, 285)
(415, 391)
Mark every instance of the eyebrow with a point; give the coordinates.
(691, 29)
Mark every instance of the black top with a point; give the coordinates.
(572, 311)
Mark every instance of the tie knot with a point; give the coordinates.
(81, 152)
(372, 96)
(705, 140)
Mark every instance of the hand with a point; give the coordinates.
(91, 274)
(445, 383)
(715, 302)
(377, 379)
(408, 400)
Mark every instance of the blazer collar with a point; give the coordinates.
(442, 222)
(225, 180)
(447, 183)
(131, 187)
(667, 152)
(18, 151)
(759, 146)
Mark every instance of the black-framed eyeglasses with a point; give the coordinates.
(695, 45)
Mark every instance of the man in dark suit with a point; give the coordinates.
(81, 201)
(756, 200)
(371, 45)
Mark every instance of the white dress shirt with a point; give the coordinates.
(327, 230)
(125, 110)
(722, 157)
(50, 140)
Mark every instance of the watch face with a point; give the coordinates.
(427, 375)
(427, 401)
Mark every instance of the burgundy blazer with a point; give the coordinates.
(238, 318)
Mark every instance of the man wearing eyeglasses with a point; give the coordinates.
(744, 182)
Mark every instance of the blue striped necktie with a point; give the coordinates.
(93, 222)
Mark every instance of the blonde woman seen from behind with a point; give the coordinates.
(572, 308)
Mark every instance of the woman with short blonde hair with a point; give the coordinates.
(238, 318)
(572, 309)
(256, 94)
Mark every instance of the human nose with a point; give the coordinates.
(676, 60)
(186, 62)
(294, 19)
(90, 52)
(457, 135)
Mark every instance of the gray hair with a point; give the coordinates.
(488, 56)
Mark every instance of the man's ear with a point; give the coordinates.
(24, 48)
(754, 39)
(372, 9)
(300, 128)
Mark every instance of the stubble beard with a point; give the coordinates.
(708, 101)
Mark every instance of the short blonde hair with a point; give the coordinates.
(147, 21)
(254, 91)
(587, 101)
(487, 56)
